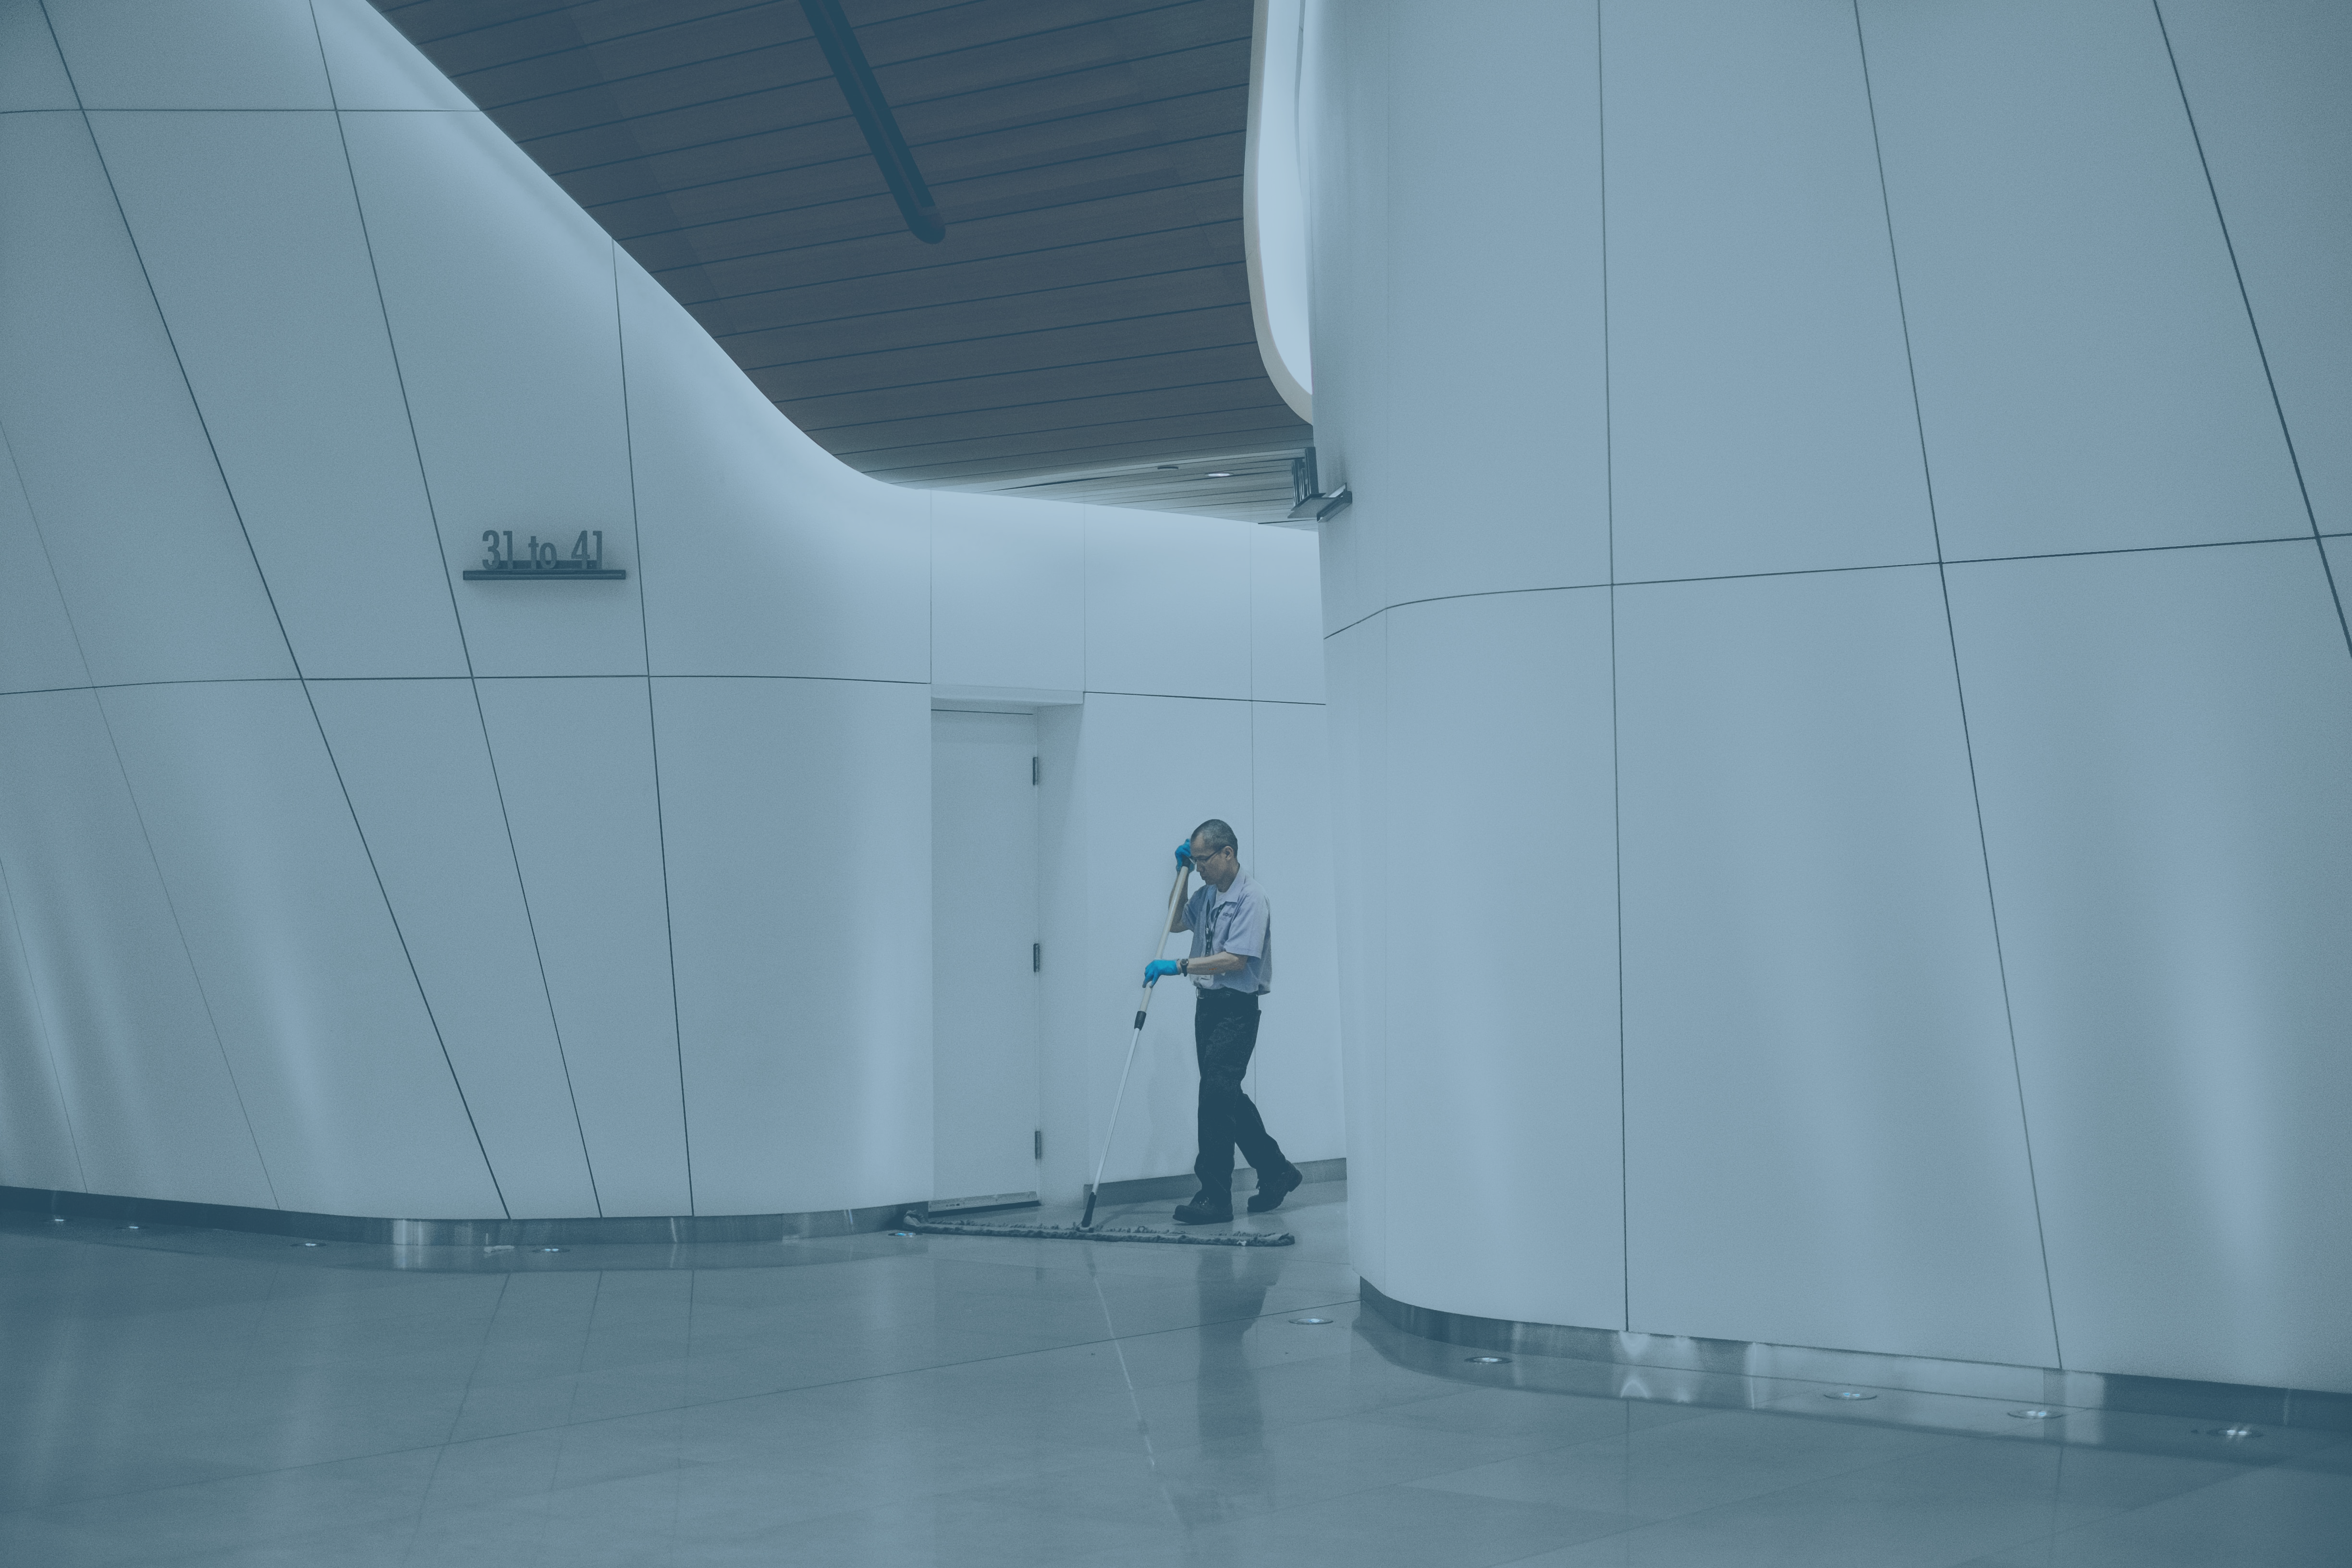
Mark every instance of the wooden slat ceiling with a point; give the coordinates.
(1083, 331)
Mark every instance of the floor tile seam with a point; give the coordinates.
(1733, 1502)
(2049, 1498)
(2111, 1515)
(1270, 1512)
(604, 1420)
(1631, 1523)
(1536, 1453)
(1147, 1290)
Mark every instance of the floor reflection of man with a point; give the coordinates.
(1233, 1282)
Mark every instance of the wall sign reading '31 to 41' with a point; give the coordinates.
(543, 561)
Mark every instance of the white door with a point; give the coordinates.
(984, 958)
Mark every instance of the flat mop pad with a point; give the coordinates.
(922, 1226)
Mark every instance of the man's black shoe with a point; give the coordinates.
(1272, 1190)
(1201, 1212)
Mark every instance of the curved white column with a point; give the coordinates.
(1838, 706)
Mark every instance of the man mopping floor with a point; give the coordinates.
(1231, 965)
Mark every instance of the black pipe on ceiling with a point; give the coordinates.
(841, 51)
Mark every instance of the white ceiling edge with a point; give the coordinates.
(1274, 205)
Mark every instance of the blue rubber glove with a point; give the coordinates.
(1159, 969)
(1185, 854)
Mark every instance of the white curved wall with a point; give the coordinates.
(1832, 608)
(333, 882)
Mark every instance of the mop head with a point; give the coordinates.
(922, 1226)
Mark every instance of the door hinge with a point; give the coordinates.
(1036, 957)
(1037, 1145)
(1036, 771)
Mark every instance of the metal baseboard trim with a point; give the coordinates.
(1149, 1189)
(671, 1230)
(2232, 1402)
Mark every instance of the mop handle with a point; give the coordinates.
(1175, 893)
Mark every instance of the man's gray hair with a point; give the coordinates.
(1213, 836)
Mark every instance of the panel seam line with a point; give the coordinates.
(456, 617)
(1616, 759)
(653, 725)
(1959, 693)
(261, 577)
(2253, 326)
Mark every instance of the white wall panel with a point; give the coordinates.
(764, 554)
(1761, 415)
(2162, 742)
(797, 816)
(1149, 769)
(500, 296)
(166, 54)
(1500, 362)
(576, 761)
(38, 650)
(145, 545)
(1499, 869)
(411, 756)
(2265, 80)
(37, 1146)
(1008, 586)
(1358, 729)
(1168, 604)
(1286, 615)
(265, 282)
(2087, 377)
(985, 860)
(336, 1057)
(32, 76)
(1294, 1077)
(371, 67)
(1824, 1145)
(143, 1076)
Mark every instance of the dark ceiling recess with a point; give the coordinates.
(1081, 327)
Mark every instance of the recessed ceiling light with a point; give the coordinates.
(2037, 1414)
(1310, 1320)
(550, 1250)
(1167, 466)
(305, 1243)
(1219, 476)
(2229, 1434)
(1849, 1394)
(1487, 1360)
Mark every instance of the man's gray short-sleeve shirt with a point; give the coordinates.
(1239, 921)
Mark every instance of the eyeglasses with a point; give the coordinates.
(1199, 858)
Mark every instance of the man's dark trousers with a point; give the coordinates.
(1224, 1033)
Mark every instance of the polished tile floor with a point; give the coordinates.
(180, 1396)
